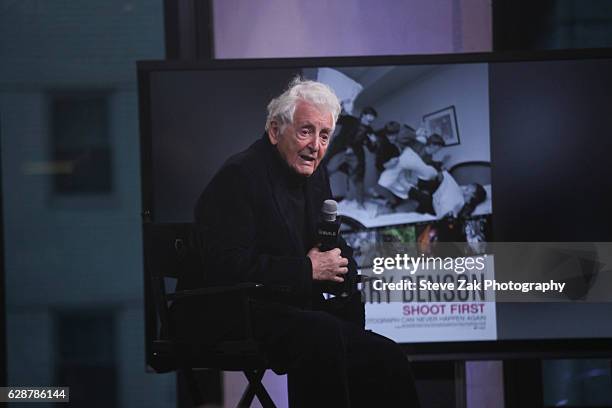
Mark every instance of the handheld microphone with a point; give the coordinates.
(328, 226)
(327, 231)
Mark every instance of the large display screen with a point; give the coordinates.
(472, 151)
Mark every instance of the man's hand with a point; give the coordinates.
(327, 266)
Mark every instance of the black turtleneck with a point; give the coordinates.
(294, 201)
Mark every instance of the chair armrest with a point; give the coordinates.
(247, 288)
(241, 290)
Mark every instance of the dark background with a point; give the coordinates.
(198, 120)
(550, 155)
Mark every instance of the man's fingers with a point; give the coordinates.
(342, 270)
(338, 279)
(343, 262)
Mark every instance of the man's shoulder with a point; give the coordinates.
(249, 162)
(235, 179)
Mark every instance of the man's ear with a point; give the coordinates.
(274, 132)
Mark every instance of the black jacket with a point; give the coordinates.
(247, 237)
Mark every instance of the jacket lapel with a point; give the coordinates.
(277, 194)
(277, 191)
(312, 194)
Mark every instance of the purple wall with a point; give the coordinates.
(297, 28)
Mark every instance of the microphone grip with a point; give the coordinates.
(327, 232)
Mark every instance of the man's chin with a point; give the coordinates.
(305, 171)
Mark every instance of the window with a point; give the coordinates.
(81, 153)
(86, 358)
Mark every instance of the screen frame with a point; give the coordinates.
(430, 351)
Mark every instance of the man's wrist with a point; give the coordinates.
(308, 266)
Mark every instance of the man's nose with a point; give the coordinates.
(315, 142)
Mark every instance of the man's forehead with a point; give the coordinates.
(308, 113)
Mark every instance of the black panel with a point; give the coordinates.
(551, 144)
(198, 121)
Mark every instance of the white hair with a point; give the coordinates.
(282, 108)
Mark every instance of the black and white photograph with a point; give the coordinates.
(395, 157)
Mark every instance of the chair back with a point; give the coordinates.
(170, 251)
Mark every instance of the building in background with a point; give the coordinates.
(71, 184)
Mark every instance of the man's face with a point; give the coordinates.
(303, 143)
(432, 149)
(367, 119)
(405, 136)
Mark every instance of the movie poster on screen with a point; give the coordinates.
(409, 316)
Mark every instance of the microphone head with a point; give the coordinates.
(329, 210)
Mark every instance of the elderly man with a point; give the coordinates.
(258, 218)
